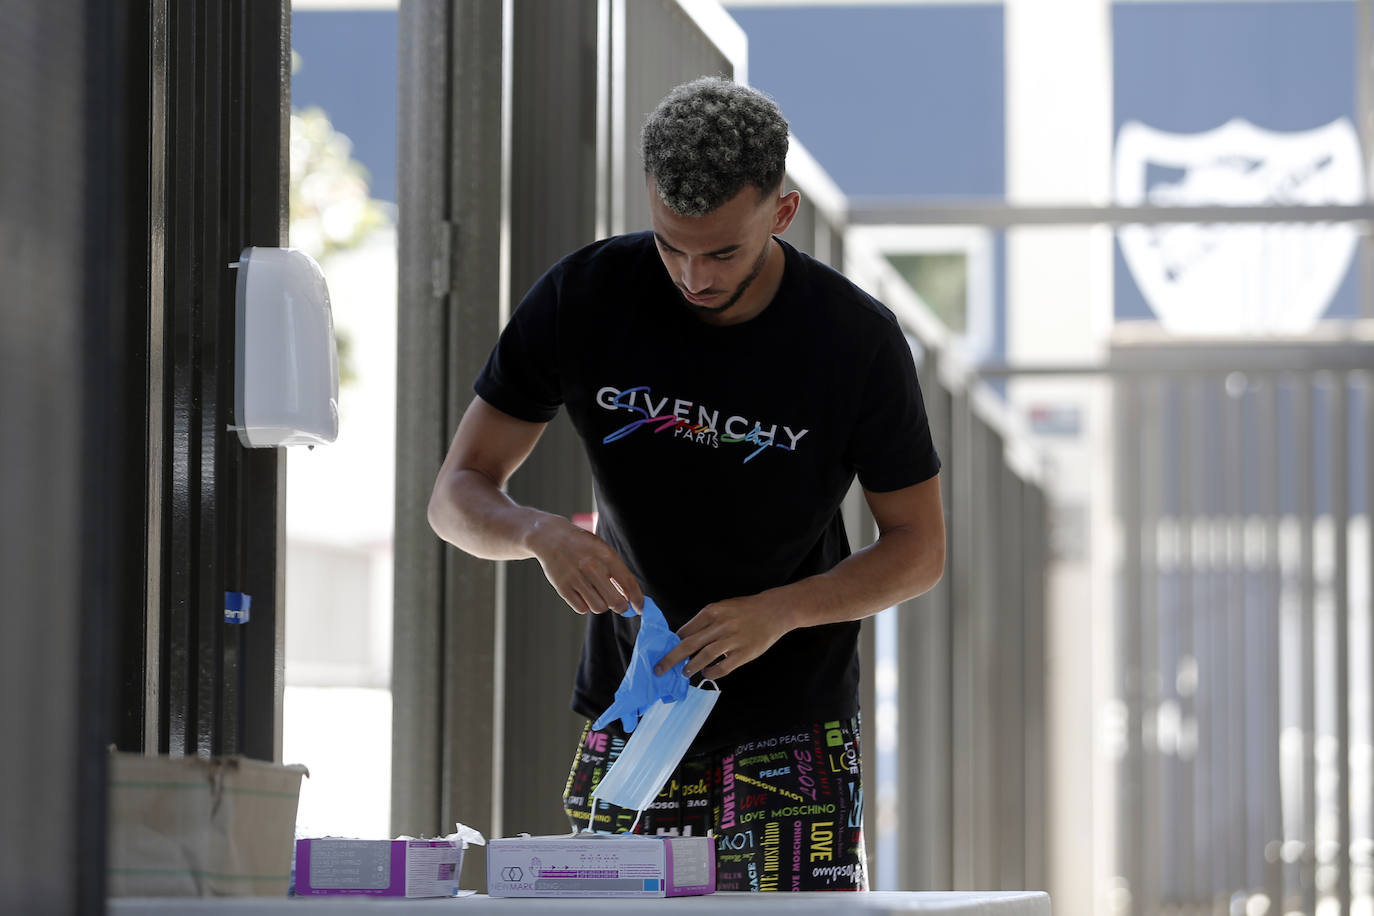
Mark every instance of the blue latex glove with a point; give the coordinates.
(641, 687)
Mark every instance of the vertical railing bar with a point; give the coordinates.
(961, 674)
(1010, 703)
(1203, 677)
(1340, 519)
(1235, 639)
(1369, 558)
(1173, 813)
(1127, 640)
(235, 660)
(985, 745)
(1197, 674)
(1151, 686)
(155, 550)
(1215, 675)
(1268, 445)
(205, 607)
(1306, 499)
(174, 709)
(1035, 784)
(924, 747)
(943, 868)
(1186, 664)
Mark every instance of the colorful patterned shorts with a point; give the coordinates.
(786, 810)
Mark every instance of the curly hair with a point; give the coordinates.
(709, 138)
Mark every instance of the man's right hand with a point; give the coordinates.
(582, 568)
(469, 509)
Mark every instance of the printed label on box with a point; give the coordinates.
(592, 866)
(338, 864)
(691, 863)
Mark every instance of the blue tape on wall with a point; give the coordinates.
(236, 607)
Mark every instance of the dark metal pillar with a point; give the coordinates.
(206, 94)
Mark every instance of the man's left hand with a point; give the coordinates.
(729, 633)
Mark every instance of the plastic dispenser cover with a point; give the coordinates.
(287, 368)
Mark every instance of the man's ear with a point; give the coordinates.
(788, 204)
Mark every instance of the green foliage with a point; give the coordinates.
(332, 208)
(331, 205)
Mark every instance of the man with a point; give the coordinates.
(727, 390)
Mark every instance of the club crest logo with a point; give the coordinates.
(1252, 278)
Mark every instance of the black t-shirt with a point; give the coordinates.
(720, 455)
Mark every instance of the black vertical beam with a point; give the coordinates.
(207, 430)
(220, 685)
(260, 116)
(229, 712)
(108, 511)
(177, 735)
(129, 668)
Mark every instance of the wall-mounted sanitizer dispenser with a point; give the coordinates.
(286, 380)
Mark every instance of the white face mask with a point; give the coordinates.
(654, 750)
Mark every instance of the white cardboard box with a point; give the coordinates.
(378, 868)
(601, 865)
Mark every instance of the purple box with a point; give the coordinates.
(379, 868)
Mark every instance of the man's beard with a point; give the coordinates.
(739, 290)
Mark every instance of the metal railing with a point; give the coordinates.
(968, 810)
(1244, 478)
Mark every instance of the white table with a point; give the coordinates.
(815, 903)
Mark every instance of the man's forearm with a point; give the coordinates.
(893, 569)
(470, 512)
(724, 635)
